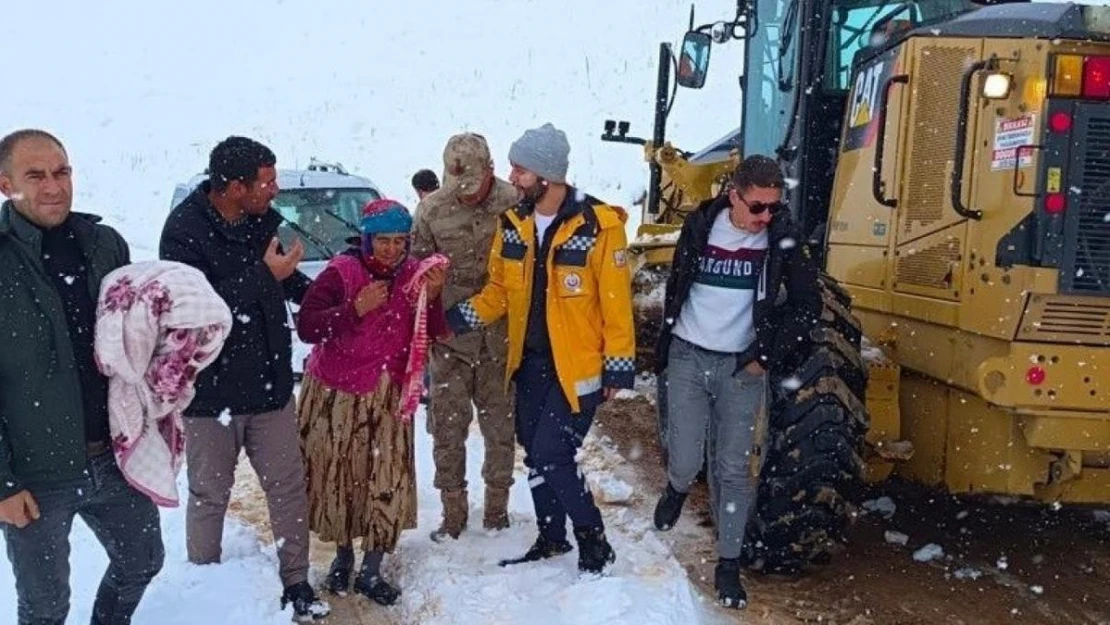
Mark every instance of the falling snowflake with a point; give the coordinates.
(225, 417)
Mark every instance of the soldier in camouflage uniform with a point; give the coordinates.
(459, 220)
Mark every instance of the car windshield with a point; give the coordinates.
(322, 219)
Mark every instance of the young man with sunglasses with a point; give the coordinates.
(723, 330)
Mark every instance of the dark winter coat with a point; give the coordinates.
(42, 412)
(790, 303)
(254, 373)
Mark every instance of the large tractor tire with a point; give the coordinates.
(813, 454)
(649, 284)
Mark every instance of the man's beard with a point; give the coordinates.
(535, 192)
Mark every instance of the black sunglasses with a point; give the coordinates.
(758, 208)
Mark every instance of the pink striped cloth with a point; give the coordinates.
(158, 324)
(412, 387)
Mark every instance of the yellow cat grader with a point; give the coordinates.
(950, 164)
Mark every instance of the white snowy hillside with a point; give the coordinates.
(141, 91)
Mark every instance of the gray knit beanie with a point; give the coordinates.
(543, 151)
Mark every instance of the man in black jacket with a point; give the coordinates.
(227, 229)
(725, 326)
(56, 460)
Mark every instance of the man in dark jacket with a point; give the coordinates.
(724, 328)
(227, 229)
(55, 458)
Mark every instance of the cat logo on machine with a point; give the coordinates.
(865, 95)
(865, 103)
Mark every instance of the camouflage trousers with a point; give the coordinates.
(458, 387)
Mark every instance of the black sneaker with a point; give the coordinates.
(669, 508)
(306, 605)
(594, 551)
(726, 578)
(377, 589)
(542, 549)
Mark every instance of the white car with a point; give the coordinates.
(321, 206)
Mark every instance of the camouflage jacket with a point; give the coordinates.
(465, 235)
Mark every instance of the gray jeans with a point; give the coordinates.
(272, 442)
(710, 404)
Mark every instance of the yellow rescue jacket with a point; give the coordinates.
(589, 294)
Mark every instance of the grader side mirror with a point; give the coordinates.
(693, 62)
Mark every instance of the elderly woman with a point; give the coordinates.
(361, 315)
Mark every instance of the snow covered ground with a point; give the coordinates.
(455, 582)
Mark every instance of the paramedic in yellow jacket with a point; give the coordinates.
(558, 269)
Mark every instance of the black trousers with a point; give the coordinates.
(551, 436)
(126, 523)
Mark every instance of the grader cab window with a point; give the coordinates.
(857, 29)
(861, 27)
(771, 81)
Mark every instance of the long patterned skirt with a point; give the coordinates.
(360, 464)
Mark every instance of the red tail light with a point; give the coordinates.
(1060, 122)
(1055, 203)
(1096, 77)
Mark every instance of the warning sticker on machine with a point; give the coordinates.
(1009, 135)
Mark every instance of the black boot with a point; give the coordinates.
(726, 577)
(669, 508)
(376, 589)
(338, 580)
(542, 549)
(369, 582)
(594, 551)
(306, 605)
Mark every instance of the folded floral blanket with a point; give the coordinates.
(158, 324)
